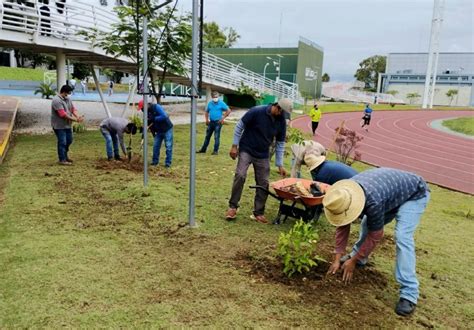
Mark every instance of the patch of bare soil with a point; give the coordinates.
(351, 304)
(134, 165)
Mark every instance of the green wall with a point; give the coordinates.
(309, 71)
(297, 63)
(255, 59)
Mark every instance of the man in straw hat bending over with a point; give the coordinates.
(380, 195)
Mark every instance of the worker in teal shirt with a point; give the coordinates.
(216, 112)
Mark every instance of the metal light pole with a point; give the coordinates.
(264, 72)
(194, 74)
(279, 66)
(433, 54)
(461, 69)
(145, 101)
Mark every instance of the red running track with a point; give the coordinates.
(405, 140)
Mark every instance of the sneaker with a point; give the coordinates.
(259, 218)
(405, 307)
(69, 160)
(154, 164)
(231, 214)
(118, 158)
(215, 153)
(65, 162)
(201, 151)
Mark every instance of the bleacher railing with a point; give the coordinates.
(66, 20)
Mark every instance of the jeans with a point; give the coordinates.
(407, 219)
(262, 172)
(213, 127)
(64, 137)
(110, 140)
(159, 137)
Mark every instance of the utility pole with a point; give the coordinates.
(194, 96)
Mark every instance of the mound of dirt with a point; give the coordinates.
(327, 292)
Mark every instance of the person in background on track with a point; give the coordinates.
(315, 114)
(367, 116)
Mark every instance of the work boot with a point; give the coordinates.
(65, 162)
(231, 214)
(200, 151)
(405, 307)
(259, 218)
(215, 153)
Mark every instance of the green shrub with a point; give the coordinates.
(295, 135)
(79, 128)
(45, 90)
(297, 248)
(137, 120)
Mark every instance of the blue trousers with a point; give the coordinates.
(64, 137)
(111, 141)
(407, 219)
(213, 127)
(168, 138)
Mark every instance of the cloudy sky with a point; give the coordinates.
(348, 30)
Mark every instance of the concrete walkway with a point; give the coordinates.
(8, 110)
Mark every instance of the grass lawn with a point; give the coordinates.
(462, 125)
(7, 73)
(87, 246)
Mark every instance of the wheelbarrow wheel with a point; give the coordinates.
(277, 220)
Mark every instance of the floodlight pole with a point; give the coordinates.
(145, 101)
(194, 96)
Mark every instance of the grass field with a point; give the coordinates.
(87, 246)
(7, 73)
(461, 125)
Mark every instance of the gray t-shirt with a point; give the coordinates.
(57, 105)
(116, 125)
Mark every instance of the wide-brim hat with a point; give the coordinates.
(312, 160)
(343, 202)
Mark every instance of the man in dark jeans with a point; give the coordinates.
(216, 112)
(253, 136)
(63, 113)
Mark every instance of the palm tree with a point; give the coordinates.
(46, 90)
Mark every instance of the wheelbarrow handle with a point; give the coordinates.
(266, 190)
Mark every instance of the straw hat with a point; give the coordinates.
(343, 202)
(312, 160)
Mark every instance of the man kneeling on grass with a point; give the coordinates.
(378, 196)
(113, 130)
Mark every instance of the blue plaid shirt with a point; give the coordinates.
(386, 189)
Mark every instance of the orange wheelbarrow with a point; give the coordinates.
(312, 206)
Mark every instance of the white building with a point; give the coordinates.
(405, 73)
